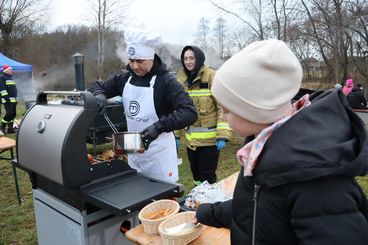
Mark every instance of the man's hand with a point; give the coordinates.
(101, 102)
(149, 134)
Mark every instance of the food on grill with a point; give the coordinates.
(159, 214)
(107, 155)
(90, 157)
(92, 160)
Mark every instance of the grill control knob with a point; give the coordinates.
(41, 127)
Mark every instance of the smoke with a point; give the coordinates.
(121, 52)
(60, 77)
(24, 83)
(212, 58)
(170, 55)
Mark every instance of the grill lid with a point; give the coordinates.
(51, 139)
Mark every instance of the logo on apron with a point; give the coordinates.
(134, 108)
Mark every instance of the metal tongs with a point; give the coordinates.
(112, 126)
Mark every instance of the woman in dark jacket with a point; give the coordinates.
(297, 180)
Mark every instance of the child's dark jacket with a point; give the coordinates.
(305, 178)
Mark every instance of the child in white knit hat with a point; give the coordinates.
(297, 180)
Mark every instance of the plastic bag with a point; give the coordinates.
(206, 193)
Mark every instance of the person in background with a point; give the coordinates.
(209, 134)
(154, 104)
(8, 91)
(338, 86)
(297, 179)
(349, 84)
(356, 98)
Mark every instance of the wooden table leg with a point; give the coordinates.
(19, 197)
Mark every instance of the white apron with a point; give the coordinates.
(160, 160)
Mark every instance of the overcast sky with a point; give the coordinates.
(176, 20)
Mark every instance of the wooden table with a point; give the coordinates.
(7, 144)
(209, 236)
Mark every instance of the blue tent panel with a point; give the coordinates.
(17, 66)
(23, 77)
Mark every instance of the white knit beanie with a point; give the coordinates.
(259, 82)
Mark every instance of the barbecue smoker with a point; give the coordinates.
(77, 202)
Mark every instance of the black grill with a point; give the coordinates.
(100, 129)
(57, 161)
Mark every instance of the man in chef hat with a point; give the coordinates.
(154, 104)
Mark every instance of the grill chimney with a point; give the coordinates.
(79, 71)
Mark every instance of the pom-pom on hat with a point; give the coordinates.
(141, 43)
(259, 82)
(6, 68)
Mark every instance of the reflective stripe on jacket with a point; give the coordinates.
(11, 100)
(208, 126)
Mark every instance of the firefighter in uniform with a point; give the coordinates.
(9, 99)
(209, 134)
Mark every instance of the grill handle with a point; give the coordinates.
(88, 98)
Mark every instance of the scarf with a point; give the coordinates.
(247, 155)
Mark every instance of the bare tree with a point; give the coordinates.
(327, 20)
(263, 18)
(358, 24)
(243, 10)
(107, 14)
(260, 19)
(220, 31)
(239, 39)
(203, 32)
(303, 49)
(257, 9)
(284, 14)
(17, 19)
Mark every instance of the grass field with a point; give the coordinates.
(17, 224)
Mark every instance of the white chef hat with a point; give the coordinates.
(140, 43)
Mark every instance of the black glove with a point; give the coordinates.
(101, 102)
(149, 134)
